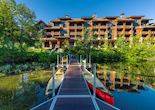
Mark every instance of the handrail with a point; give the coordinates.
(107, 104)
(42, 103)
(106, 90)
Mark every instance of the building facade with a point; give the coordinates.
(106, 28)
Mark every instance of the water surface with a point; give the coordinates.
(132, 84)
(21, 92)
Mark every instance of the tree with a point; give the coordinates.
(8, 26)
(25, 19)
(17, 25)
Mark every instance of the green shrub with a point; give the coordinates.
(10, 56)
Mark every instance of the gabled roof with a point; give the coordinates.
(135, 17)
(76, 20)
(153, 24)
(111, 17)
(87, 17)
(146, 19)
(146, 27)
(100, 20)
(41, 21)
(125, 19)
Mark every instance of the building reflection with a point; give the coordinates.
(120, 81)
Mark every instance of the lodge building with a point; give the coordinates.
(106, 28)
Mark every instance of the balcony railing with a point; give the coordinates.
(128, 32)
(72, 37)
(48, 33)
(128, 26)
(120, 26)
(76, 27)
(153, 32)
(79, 27)
(71, 26)
(145, 32)
(79, 33)
(102, 33)
(55, 33)
(72, 33)
(56, 27)
(104, 26)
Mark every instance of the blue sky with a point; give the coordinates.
(51, 9)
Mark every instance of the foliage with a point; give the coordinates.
(17, 26)
(120, 51)
(20, 92)
(102, 55)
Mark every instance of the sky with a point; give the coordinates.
(48, 10)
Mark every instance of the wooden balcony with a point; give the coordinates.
(103, 27)
(145, 32)
(55, 33)
(102, 33)
(72, 37)
(95, 27)
(128, 32)
(123, 26)
(79, 27)
(148, 32)
(72, 27)
(72, 33)
(128, 26)
(53, 28)
(119, 26)
(79, 33)
(49, 39)
(76, 27)
(153, 32)
(48, 33)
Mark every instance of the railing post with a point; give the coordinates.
(67, 61)
(57, 60)
(89, 60)
(94, 72)
(80, 59)
(60, 58)
(53, 79)
(62, 62)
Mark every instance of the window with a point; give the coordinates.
(47, 44)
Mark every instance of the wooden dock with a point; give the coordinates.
(74, 94)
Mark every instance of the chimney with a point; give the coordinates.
(67, 16)
(94, 15)
(122, 15)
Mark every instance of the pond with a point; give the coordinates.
(132, 84)
(21, 92)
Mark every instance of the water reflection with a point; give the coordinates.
(20, 92)
(126, 80)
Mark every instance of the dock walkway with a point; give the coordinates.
(74, 94)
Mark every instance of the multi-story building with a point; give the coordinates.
(107, 28)
(122, 27)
